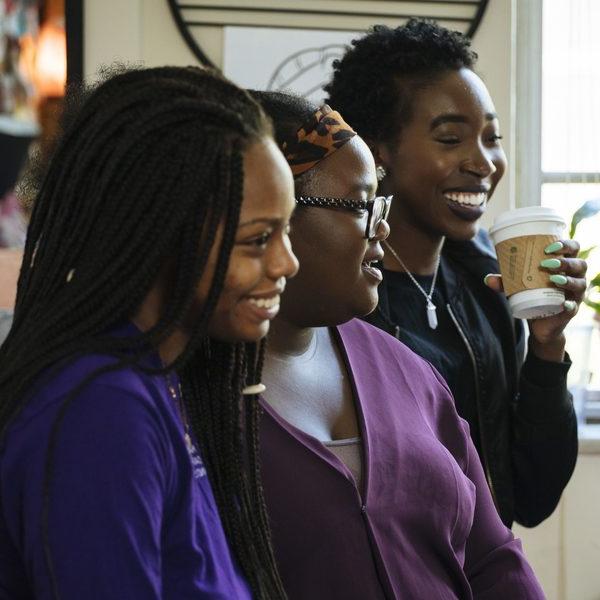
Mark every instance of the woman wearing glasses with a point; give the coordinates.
(373, 486)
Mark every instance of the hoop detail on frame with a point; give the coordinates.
(357, 16)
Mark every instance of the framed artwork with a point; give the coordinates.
(290, 45)
(300, 63)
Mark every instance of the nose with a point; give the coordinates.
(383, 230)
(282, 261)
(480, 163)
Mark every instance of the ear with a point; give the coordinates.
(381, 153)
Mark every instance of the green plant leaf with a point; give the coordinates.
(595, 282)
(585, 253)
(592, 304)
(593, 288)
(585, 211)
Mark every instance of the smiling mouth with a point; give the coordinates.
(468, 199)
(265, 302)
(368, 266)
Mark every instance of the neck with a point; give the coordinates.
(289, 340)
(418, 249)
(170, 348)
(148, 316)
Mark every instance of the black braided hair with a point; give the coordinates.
(288, 112)
(150, 164)
(375, 81)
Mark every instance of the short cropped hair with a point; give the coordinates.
(374, 83)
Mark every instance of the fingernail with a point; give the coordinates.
(570, 305)
(554, 247)
(487, 278)
(558, 279)
(550, 263)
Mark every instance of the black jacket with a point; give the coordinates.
(526, 422)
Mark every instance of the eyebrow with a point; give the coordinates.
(264, 220)
(454, 118)
(363, 186)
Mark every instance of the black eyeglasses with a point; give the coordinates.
(378, 208)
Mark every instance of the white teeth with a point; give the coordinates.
(265, 302)
(469, 199)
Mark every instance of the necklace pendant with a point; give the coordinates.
(432, 315)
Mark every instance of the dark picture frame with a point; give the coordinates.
(75, 50)
(190, 15)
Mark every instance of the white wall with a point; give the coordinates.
(138, 31)
(495, 43)
(564, 550)
(143, 31)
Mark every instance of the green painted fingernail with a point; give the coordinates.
(570, 305)
(554, 247)
(558, 279)
(489, 277)
(550, 263)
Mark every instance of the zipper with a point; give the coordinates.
(381, 572)
(471, 353)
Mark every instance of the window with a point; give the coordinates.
(558, 137)
(570, 133)
(569, 163)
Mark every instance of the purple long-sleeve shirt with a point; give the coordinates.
(132, 515)
(424, 525)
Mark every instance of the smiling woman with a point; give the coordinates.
(129, 463)
(261, 257)
(446, 162)
(428, 118)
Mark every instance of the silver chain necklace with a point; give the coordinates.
(431, 307)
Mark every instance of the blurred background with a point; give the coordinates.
(33, 74)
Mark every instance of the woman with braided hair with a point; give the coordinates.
(373, 486)
(154, 262)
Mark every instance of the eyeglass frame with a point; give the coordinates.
(349, 204)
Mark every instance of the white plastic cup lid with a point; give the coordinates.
(527, 214)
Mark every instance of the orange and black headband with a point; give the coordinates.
(322, 135)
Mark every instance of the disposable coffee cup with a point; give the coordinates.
(520, 237)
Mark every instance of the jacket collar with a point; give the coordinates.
(476, 257)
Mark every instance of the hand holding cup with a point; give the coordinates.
(558, 301)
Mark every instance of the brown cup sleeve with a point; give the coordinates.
(520, 258)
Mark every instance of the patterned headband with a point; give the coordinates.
(324, 133)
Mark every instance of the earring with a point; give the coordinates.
(381, 172)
